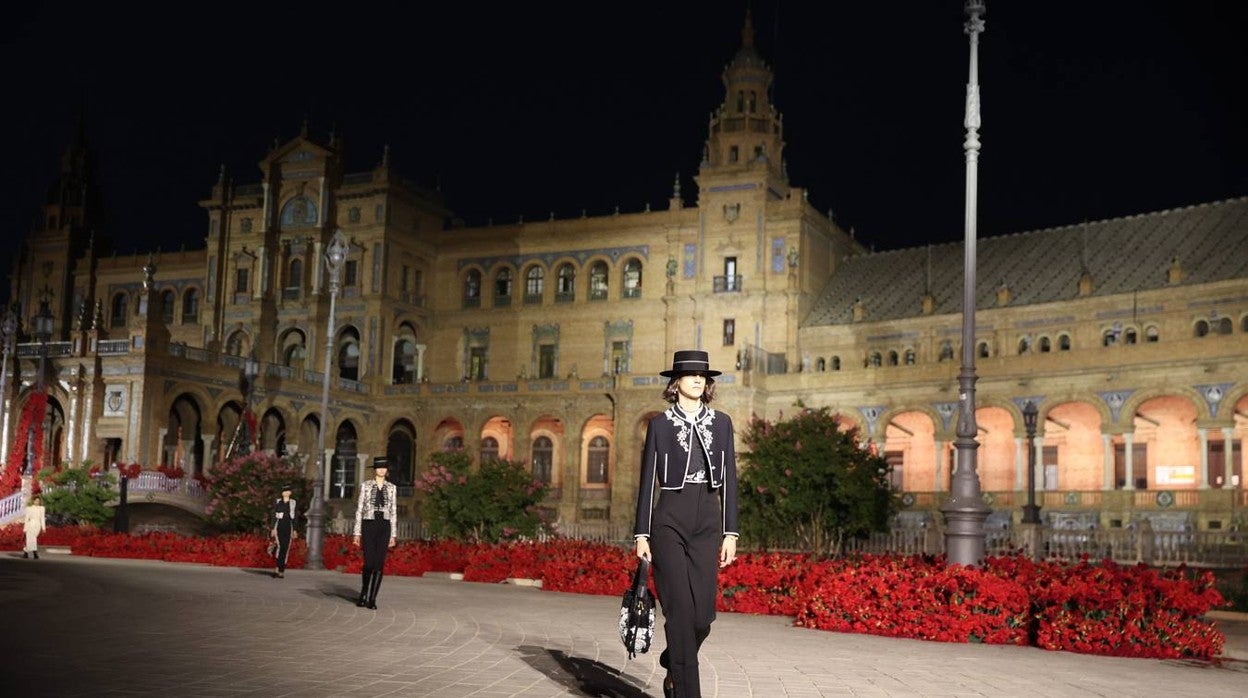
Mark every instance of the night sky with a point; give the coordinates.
(1090, 110)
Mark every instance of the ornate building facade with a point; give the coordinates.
(541, 341)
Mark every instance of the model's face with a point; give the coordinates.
(691, 385)
(380, 473)
(285, 494)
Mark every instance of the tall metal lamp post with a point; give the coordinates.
(965, 509)
(251, 371)
(1031, 512)
(8, 330)
(42, 324)
(335, 255)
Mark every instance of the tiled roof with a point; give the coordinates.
(1123, 255)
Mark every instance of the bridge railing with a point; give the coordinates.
(150, 481)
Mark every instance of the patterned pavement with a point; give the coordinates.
(95, 627)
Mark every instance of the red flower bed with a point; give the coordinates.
(1090, 608)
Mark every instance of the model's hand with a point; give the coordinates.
(728, 551)
(294, 534)
(355, 540)
(643, 549)
(393, 541)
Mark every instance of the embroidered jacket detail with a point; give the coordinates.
(702, 422)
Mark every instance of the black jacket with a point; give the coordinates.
(665, 458)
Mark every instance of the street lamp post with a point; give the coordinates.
(8, 329)
(965, 509)
(42, 324)
(335, 255)
(251, 371)
(1031, 512)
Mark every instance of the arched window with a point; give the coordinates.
(404, 369)
(1109, 338)
(1225, 326)
(299, 212)
(892, 358)
(753, 101)
(453, 443)
(502, 287)
(401, 453)
(1130, 336)
(1063, 342)
(236, 344)
(836, 363)
(190, 305)
(632, 279)
(596, 461)
(167, 300)
(1152, 334)
(346, 463)
(740, 100)
(876, 359)
(1024, 345)
(472, 289)
(543, 459)
(294, 275)
(1202, 328)
(1243, 324)
(984, 350)
(565, 289)
(821, 364)
(118, 314)
(353, 214)
(598, 281)
(946, 351)
(1046, 345)
(534, 280)
(489, 449)
(910, 357)
(349, 355)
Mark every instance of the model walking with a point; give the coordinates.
(35, 522)
(692, 532)
(284, 513)
(375, 529)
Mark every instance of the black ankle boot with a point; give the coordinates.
(365, 579)
(36, 554)
(372, 590)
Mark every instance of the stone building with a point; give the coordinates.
(541, 341)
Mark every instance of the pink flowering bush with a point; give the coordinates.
(242, 491)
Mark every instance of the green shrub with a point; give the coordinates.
(497, 501)
(75, 496)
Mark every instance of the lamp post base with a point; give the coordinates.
(964, 529)
(1031, 513)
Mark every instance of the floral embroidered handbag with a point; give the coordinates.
(637, 613)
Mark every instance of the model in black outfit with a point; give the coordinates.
(375, 529)
(692, 532)
(284, 512)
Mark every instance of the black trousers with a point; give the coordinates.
(284, 528)
(685, 537)
(375, 540)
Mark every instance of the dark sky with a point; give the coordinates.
(1090, 110)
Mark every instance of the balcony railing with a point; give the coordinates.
(112, 347)
(472, 301)
(726, 284)
(292, 294)
(566, 297)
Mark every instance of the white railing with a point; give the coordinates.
(12, 506)
(150, 481)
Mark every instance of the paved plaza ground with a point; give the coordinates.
(95, 627)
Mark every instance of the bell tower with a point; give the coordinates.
(746, 134)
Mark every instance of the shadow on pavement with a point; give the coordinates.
(337, 591)
(259, 573)
(585, 677)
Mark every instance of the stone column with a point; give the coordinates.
(188, 454)
(208, 459)
(362, 472)
(1129, 438)
(1020, 464)
(1203, 433)
(71, 428)
(1038, 447)
(1107, 444)
(1228, 440)
(161, 433)
(940, 461)
(420, 362)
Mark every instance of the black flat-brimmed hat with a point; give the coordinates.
(690, 361)
(287, 488)
(380, 463)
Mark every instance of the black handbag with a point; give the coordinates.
(637, 613)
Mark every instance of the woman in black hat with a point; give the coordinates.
(375, 529)
(692, 532)
(284, 512)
